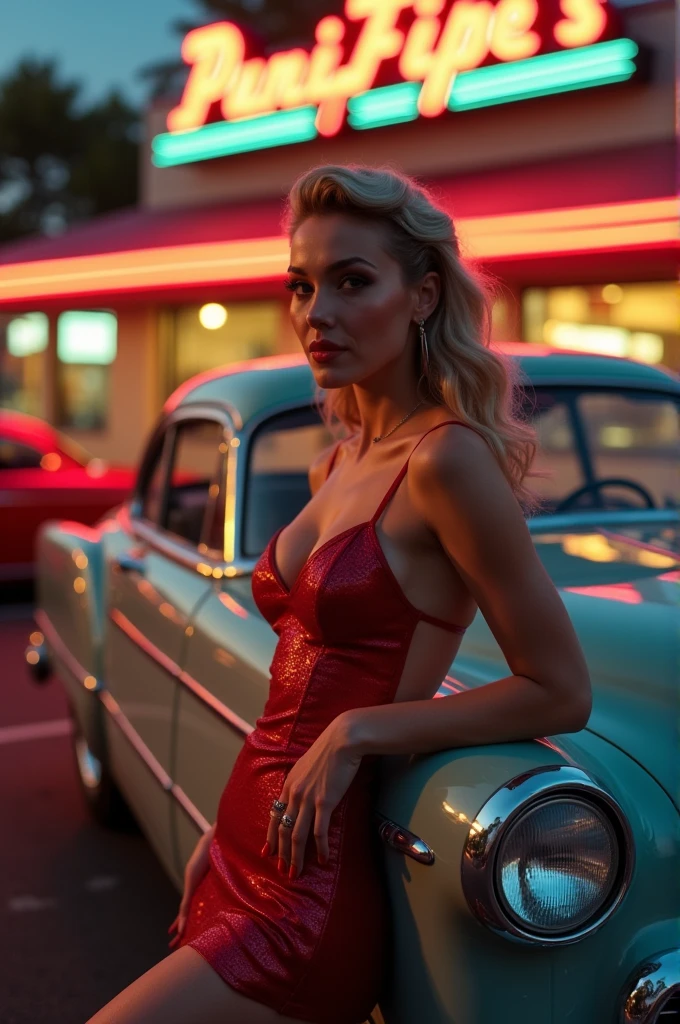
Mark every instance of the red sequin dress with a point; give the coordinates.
(314, 948)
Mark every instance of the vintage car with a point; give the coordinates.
(534, 882)
(44, 474)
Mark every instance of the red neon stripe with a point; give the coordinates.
(616, 226)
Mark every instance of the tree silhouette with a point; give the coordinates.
(275, 24)
(60, 163)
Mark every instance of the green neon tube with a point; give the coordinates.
(391, 104)
(226, 138)
(581, 68)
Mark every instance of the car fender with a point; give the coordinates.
(70, 614)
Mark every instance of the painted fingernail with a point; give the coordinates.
(265, 850)
(282, 865)
(293, 872)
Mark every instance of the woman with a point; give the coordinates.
(415, 520)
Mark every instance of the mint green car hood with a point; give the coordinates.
(622, 592)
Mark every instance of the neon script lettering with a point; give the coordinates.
(436, 46)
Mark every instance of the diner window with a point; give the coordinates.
(640, 321)
(196, 481)
(201, 337)
(23, 343)
(86, 347)
(277, 481)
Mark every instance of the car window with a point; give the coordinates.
(558, 453)
(193, 484)
(635, 435)
(14, 455)
(277, 482)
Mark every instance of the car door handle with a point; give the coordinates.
(126, 563)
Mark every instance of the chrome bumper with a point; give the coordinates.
(650, 988)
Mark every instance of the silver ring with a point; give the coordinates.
(278, 805)
(287, 821)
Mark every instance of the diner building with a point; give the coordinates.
(546, 128)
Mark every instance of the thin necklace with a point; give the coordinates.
(380, 438)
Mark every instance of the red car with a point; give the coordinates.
(44, 475)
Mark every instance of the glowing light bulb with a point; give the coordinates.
(212, 316)
(612, 293)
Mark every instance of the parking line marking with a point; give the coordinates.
(35, 730)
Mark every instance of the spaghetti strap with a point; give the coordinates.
(400, 475)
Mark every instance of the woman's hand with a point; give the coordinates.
(196, 868)
(313, 788)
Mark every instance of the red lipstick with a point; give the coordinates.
(324, 351)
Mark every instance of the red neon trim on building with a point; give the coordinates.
(437, 44)
(259, 259)
(615, 226)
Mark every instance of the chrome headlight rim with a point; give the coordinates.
(501, 811)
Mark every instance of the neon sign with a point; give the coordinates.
(438, 54)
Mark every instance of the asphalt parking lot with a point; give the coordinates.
(83, 910)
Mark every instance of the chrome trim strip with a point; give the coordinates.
(613, 517)
(403, 841)
(138, 638)
(173, 669)
(206, 697)
(499, 812)
(184, 555)
(118, 716)
(649, 987)
(135, 740)
(215, 404)
(230, 486)
(152, 763)
(61, 651)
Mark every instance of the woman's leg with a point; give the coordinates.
(184, 989)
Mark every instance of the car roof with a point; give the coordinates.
(28, 429)
(245, 388)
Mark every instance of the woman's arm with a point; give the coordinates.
(457, 485)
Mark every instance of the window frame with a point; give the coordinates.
(205, 560)
(246, 563)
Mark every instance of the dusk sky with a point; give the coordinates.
(100, 44)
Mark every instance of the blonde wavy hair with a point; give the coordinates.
(479, 385)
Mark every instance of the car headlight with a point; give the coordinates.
(548, 858)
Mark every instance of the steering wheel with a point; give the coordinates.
(595, 485)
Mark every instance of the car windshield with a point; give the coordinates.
(606, 448)
(599, 448)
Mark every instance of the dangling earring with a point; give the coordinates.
(424, 354)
